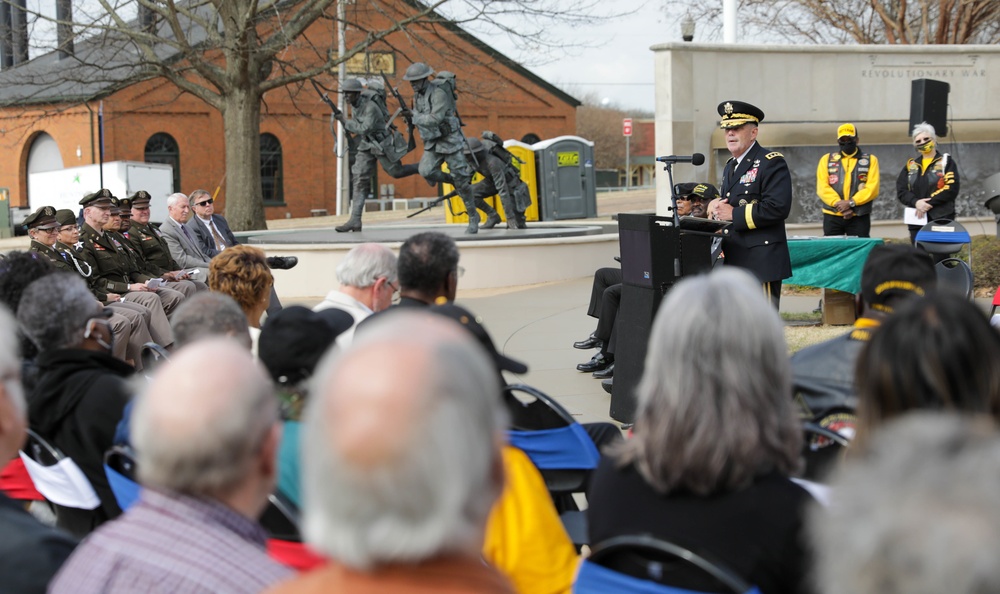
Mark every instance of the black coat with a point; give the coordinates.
(939, 183)
(30, 552)
(760, 192)
(75, 406)
(203, 237)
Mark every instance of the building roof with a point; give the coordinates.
(103, 64)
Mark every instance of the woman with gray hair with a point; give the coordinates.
(715, 441)
(928, 182)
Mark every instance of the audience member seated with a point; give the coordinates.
(81, 389)
(292, 342)
(715, 441)
(396, 503)
(207, 315)
(936, 353)
(368, 281)
(242, 273)
(916, 513)
(30, 553)
(205, 443)
(428, 269)
(823, 374)
(606, 293)
(525, 538)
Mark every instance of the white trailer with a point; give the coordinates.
(63, 188)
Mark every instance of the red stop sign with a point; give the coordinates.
(627, 127)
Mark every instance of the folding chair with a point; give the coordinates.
(120, 468)
(57, 477)
(944, 237)
(558, 446)
(152, 355)
(648, 565)
(954, 275)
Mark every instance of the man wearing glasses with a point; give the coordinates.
(128, 324)
(368, 283)
(211, 230)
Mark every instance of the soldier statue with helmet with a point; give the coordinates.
(436, 117)
(500, 177)
(378, 140)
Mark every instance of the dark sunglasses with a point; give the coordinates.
(204, 202)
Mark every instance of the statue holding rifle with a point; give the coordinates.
(436, 117)
(377, 139)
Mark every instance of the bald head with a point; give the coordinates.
(384, 482)
(198, 428)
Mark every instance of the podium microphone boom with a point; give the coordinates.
(695, 159)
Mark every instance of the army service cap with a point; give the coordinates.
(115, 208)
(43, 218)
(101, 197)
(737, 113)
(139, 199)
(65, 217)
(846, 130)
(702, 192)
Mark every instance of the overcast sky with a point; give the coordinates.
(620, 69)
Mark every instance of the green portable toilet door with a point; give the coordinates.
(570, 171)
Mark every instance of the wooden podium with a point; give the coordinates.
(655, 254)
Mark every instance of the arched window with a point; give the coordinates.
(530, 138)
(162, 148)
(270, 170)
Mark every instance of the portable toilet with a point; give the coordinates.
(566, 180)
(526, 164)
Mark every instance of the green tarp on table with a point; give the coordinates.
(829, 262)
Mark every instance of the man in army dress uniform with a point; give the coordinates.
(152, 249)
(378, 141)
(127, 326)
(500, 177)
(113, 229)
(756, 195)
(435, 116)
(113, 272)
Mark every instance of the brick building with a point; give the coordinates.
(56, 127)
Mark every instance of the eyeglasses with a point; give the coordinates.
(204, 202)
(49, 230)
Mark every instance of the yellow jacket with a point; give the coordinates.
(866, 191)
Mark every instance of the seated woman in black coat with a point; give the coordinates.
(715, 440)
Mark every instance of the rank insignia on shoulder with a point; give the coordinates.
(770, 156)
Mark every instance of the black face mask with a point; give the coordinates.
(848, 145)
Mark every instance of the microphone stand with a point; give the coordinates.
(668, 167)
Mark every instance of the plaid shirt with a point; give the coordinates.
(172, 543)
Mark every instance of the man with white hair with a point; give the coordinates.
(206, 444)
(182, 244)
(30, 552)
(396, 504)
(368, 282)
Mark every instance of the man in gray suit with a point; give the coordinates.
(183, 245)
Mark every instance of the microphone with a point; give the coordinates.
(695, 159)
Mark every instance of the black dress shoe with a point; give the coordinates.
(282, 262)
(596, 363)
(607, 385)
(592, 342)
(605, 373)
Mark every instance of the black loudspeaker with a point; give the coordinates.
(654, 253)
(929, 103)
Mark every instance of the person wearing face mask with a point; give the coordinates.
(81, 390)
(928, 182)
(847, 184)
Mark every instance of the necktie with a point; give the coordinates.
(727, 173)
(184, 229)
(220, 244)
